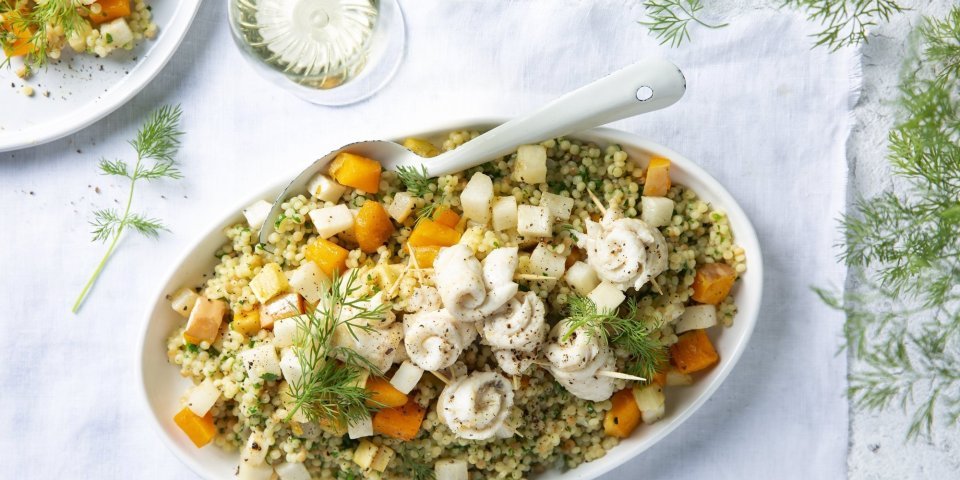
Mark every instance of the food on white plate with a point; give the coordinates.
(380, 333)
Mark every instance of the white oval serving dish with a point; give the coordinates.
(162, 384)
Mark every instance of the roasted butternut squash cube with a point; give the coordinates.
(623, 417)
(110, 10)
(446, 216)
(18, 42)
(693, 352)
(356, 171)
(330, 257)
(373, 226)
(200, 430)
(430, 233)
(713, 282)
(421, 147)
(246, 322)
(425, 256)
(658, 178)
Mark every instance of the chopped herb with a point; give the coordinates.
(269, 377)
(192, 348)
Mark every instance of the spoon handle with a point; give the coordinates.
(643, 87)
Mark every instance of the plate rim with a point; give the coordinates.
(745, 234)
(151, 63)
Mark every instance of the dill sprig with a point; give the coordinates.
(845, 22)
(669, 20)
(413, 469)
(37, 18)
(628, 332)
(903, 250)
(156, 143)
(328, 390)
(416, 181)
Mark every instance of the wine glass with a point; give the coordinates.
(329, 52)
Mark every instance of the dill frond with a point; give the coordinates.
(845, 22)
(628, 331)
(37, 18)
(413, 469)
(669, 20)
(417, 182)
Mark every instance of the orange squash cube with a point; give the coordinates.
(623, 417)
(658, 178)
(713, 282)
(200, 430)
(110, 10)
(372, 227)
(21, 44)
(356, 171)
(693, 352)
(399, 422)
(429, 233)
(425, 255)
(383, 394)
(447, 217)
(330, 257)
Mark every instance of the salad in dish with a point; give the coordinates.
(519, 316)
(38, 30)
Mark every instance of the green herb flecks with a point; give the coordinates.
(156, 144)
(629, 332)
(903, 250)
(417, 181)
(413, 469)
(62, 13)
(328, 390)
(845, 22)
(669, 20)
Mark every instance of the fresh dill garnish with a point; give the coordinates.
(157, 141)
(629, 332)
(669, 19)
(427, 211)
(417, 182)
(37, 18)
(328, 389)
(845, 22)
(903, 250)
(413, 469)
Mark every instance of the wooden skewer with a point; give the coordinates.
(416, 265)
(624, 376)
(597, 201)
(653, 281)
(443, 378)
(530, 276)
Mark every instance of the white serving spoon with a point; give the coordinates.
(643, 87)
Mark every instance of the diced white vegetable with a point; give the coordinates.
(558, 205)
(117, 32)
(406, 377)
(205, 319)
(260, 361)
(505, 213)
(362, 376)
(183, 301)
(546, 262)
(255, 450)
(382, 458)
(651, 402)
(257, 213)
(254, 472)
(202, 397)
(282, 306)
(308, 280)
(402, 206)
(606, 297)
(324, 188)
(450, 469)
(582, 277)
(284, 331)
(534, 221)
(696, 317)
(531, 164)
(292, 471)
(330, 221)
(477, 197)
(361, 428)
(656, 211)
(363, 455)
(268, 282)
(290, 366)
(676, 378)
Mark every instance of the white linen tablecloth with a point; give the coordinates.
(764, 113)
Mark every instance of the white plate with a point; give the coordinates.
(162, 384)
(80, 92)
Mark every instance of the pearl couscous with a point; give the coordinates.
(479, 352)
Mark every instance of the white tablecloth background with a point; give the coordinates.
(764, 113)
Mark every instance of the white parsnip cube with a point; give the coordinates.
(324, 188)
(546, 262)
(651, 402)
(558, 205)
(290, 366)
(255, 450)
(269, 282)
(696, 317)
(606, 296)
(407, 377)
(656, 211)
(364, 453)
(183, 301)
(309, 281)
(676, 378)
(292, 471)
(505, 213)
(360, 429)
(282, 306)
(285, 331)
(257, 213)
(582, 277)
(534, 221)
(402, 206)
(260, 361)
(531, 164)
(254, 472)
(202, 397)
(382, 459)
(450, 469)
(117, 32)
(477, 197)
(330, 221)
